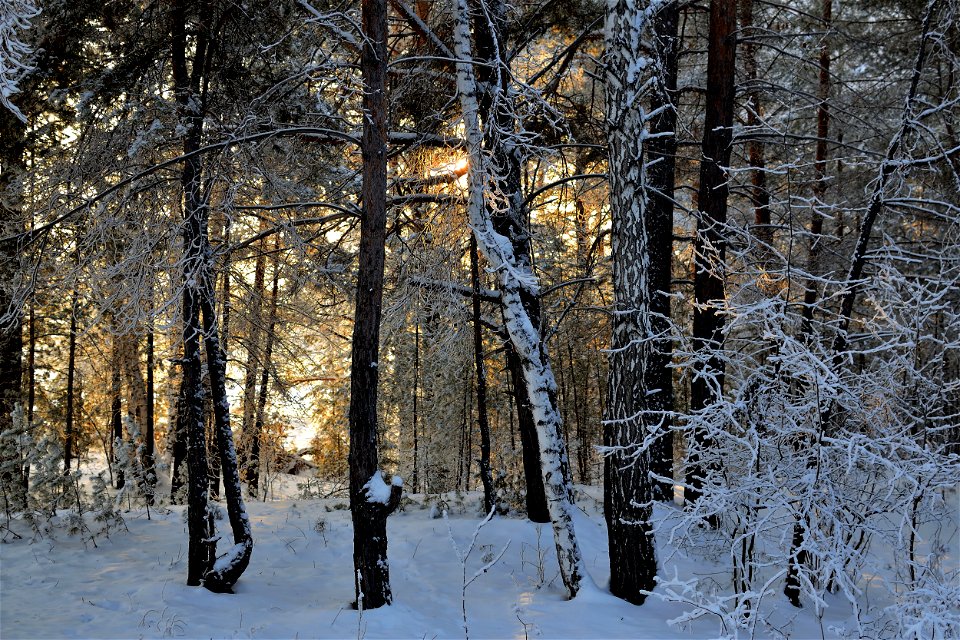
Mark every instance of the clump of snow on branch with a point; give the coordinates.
(379, 491)
(15, 17)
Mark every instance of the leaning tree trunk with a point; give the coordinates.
(494, 106)
(639, 398)
(516, 278)
(370, 501)
(710, 245)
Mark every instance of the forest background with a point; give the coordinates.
(509, 247)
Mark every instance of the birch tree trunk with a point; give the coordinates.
(495, 108)
(516, 278)
(640, 390)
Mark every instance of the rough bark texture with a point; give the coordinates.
(515, 277)
(710, 245)
(510, 221)
(371, 570)
(248, 439)
(640, 387)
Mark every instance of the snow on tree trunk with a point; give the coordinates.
(639, 399)
(199, 297)
(496, 107)
(369, 511)
(514, 278)
(228, 568)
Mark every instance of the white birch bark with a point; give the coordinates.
(513, 278)
(635, 413)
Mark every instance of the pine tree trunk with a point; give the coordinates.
(254, 339)
(662, 149)
(68, 439)
(759, 195)
(149, 445)
(486, 477)
(116, 413)
(371, 570)
(516, 277)
(710, 244)
(253, 471)
(178, 445)
(199, 298)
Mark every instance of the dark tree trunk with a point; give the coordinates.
(116, 415)
(253, 470)
(759, 195)
(710, 244)
(416, 400)
(662, 149)
(231, 566)
(371, 570)
(68, 438)
(486, 477)
(199, 297)
(178, 451)
(202, 548)
(819, 174)
(254, 359)
(149, 445)
(12, 149)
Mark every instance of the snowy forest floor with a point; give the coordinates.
(299, 583)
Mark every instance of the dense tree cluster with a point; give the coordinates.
(708, 247)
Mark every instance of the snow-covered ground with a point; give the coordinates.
(299, 584)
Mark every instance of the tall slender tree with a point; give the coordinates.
(710, 243)
(369, 507)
